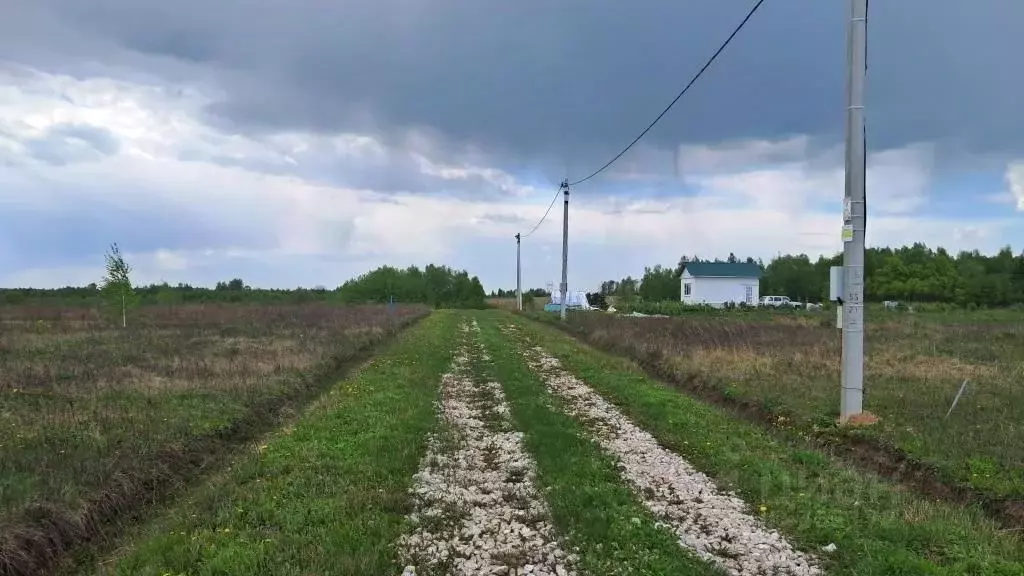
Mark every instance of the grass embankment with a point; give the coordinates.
(100, 421)
(878, 528)
(789, 367)
(604, 524)
(327, 496)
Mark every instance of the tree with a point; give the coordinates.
(597, 300)
(659, 284)
(794, 276)
(438, 286)
(625, 292)
(116, 286)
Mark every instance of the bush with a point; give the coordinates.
(597, 300)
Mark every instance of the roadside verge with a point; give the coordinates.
(872, 526)
(326, 496)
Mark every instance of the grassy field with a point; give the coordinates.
(481, 442)
(878, 528)
(98, 420)
(788, 364)
(461, 399)
(326, 496)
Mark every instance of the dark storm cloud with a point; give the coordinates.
(571, 81)
(389, 171)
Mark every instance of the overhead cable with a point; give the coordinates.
(678, 96)
(548, 211)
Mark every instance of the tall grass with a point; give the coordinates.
(98, 419)
(789, 366)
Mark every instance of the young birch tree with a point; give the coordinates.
(117, 284)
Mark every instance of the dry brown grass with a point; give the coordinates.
(789, 365)
(502, 303)
(92, 410)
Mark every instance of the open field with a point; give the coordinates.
(98, 420)
(485, 443)
(786, 366)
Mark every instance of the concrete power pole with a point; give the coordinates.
(854, 212)
(519, 276)
(565, 250)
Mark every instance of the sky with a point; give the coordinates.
(303, 143)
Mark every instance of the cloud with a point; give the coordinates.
(554, 84)
(1015, 180)
(65, 143)
(190, 202)
(898, 181)
(305, 142)
(170, 260)
(57, 119)
(741, 155)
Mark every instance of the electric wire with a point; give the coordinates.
(544, 217)
(678, 96)
(685, 89)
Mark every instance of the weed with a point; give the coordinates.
(788, 365)
(330, 486)
(100, 421)
(877, 528)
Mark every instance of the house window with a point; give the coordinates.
(687, 289)
(749, 296)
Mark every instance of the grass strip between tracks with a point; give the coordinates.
(603, 523)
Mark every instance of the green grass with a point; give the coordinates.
(327, 496)
(879, 528)
(611, 531)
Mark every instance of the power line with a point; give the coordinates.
(546, 212)
(678, 96)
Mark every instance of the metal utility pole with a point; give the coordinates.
(519, 276)
(854, 211)
(565, 249)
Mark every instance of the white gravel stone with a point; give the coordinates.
(476, 509)
(713, 523)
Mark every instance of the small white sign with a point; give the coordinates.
(839, 317)
(847, 210)
(847, 232)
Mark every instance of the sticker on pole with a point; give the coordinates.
(847, 232)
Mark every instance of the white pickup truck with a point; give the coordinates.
(779, 302)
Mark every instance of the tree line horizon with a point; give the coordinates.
(914, 273)
(434, 285)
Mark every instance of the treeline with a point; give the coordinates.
(229, 291)
(914, 273)
(532, 292)
(438, 286)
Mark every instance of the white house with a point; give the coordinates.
(715, 283)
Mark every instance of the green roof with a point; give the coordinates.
(723, 269)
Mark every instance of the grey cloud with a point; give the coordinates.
(68, 143)
(391, 171)
(569, 82)
(505, 219)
